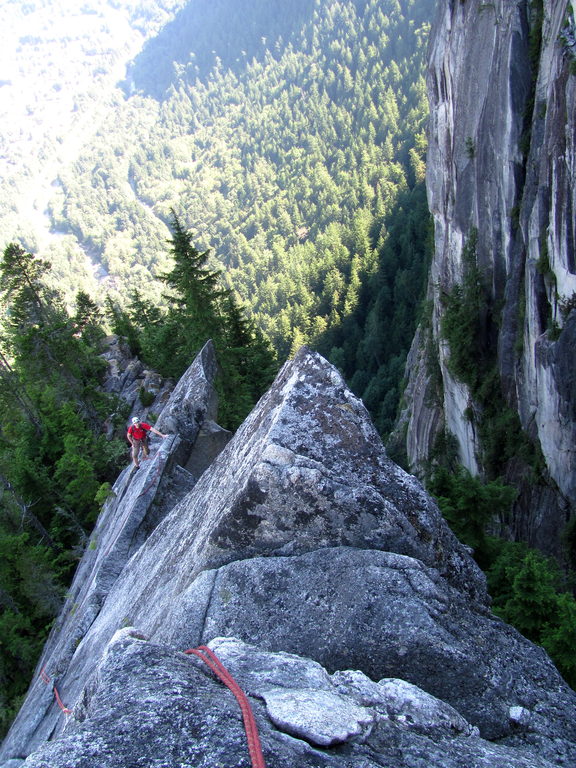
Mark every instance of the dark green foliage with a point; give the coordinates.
(200, 307)
(88, 319)
(146, 398)
(531, 604)
(559, 636)
(530, 592)
(567, 305)
(536, 21)
(535, 36)
(501, 435)
(444, 454)
(569, 540)
(527, 588)
(371, 342)
(29, 598)
(195, 311)
(543, 263)
(122, 325)
(469, 506)
(460, 327)
(250, 365)
(53, 455)
(465, 307)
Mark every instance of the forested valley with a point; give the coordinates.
(293, 167)
(264, 162)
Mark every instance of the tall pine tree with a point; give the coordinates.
(201, 307)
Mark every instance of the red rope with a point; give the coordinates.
(210, 659)
(46, 679)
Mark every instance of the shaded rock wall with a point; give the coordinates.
(502, 145)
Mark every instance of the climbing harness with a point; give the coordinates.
(211, 660)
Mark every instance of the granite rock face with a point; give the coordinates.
(327, 582)
(137, 503)
(501, 163)
(386, 614)
(151, 706)
(129, 379)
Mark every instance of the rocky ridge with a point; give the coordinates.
(325, 579)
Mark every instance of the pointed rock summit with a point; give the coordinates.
(328, 582)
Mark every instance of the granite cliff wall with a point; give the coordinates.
(501, 175)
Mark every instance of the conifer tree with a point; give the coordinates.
(53, 407)
(201, 307)
(251, 363)
(88, 319)
(54, 455)
(195, 311)
(122, 325)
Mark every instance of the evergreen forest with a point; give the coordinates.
(300, 166)
(258, 179)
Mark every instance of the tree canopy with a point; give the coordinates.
(198, 306)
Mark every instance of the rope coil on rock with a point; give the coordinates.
(211, 660)
(45, 678)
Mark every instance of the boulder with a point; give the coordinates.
(388, 615)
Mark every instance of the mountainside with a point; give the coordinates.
(60, 61)
(287, 162)
(494, 368)
(325, 579)
(289, 136)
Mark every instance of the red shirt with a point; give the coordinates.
(138, 432)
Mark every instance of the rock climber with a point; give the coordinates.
(138, 438)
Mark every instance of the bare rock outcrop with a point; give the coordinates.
(130, 380)
(363, 630)
(150, 706)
